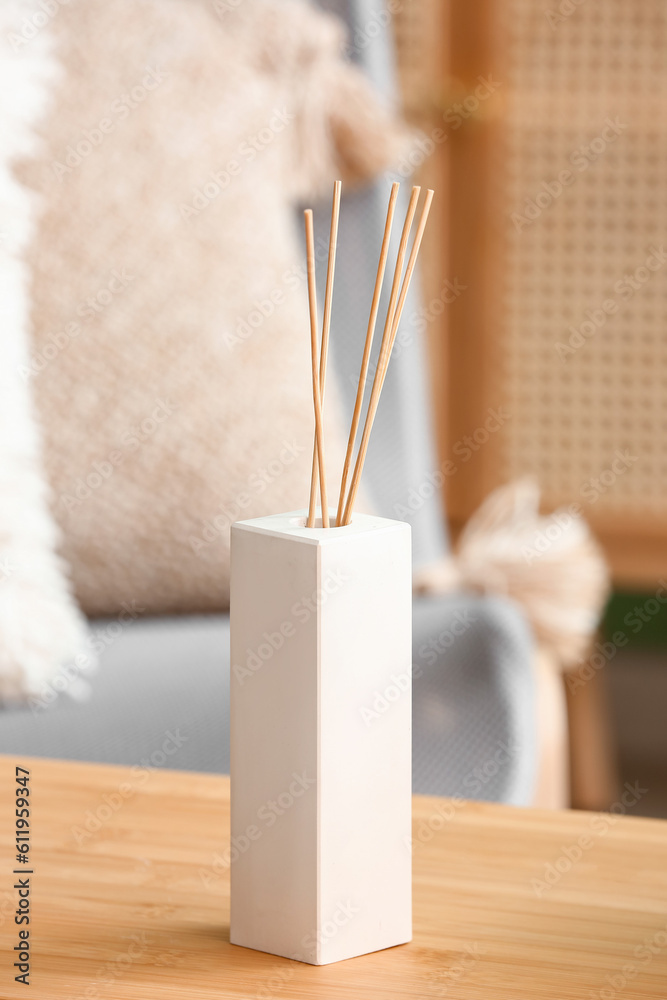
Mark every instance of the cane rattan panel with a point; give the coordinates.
(579, 195)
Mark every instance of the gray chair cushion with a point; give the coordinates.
(474, 711)
(161, 699)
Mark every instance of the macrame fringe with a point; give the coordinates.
(551, 565)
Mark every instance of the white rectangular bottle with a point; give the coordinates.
(320, 737)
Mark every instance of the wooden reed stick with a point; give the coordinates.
(387, 347)
(317, 400)
(370, 332)
(386, 333)
(405, 287)
(326, 324)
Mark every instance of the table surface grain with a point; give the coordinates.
(130, 899)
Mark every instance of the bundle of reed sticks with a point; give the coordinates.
(399, 291)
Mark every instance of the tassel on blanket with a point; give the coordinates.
(551, 565)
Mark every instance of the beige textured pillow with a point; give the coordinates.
(170, 361)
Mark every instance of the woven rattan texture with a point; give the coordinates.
(579, 190)
(415, 28)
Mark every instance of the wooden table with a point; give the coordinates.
(129, 901)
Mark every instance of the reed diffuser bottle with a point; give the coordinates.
(321, 635)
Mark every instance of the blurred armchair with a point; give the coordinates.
(161, 696)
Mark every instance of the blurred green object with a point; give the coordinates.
(641, 617)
